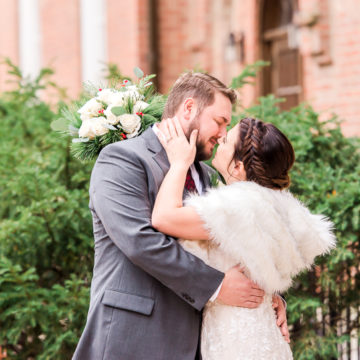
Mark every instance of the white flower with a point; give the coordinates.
(117, 98)
(131, 124)
(90, 109)
(132, 93)
(111, 97)
(110, 117)
(85, 129)
(105, 95)
(98, 127)
(131, 88)
(93, 127)
(140, 106)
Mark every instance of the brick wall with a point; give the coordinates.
(183, 38)
(195, 34)
(128, 34)
(331, 53)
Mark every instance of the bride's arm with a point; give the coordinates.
(169, 215)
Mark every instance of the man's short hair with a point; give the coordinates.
(199, 86)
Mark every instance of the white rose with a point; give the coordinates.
(110, 117)
(105, 95)
(98, 126)
(132, 93)
(86, 129)
(93, 127)
(117, 98)
(131, 124)
(111, 97)
(90, 109)
(131, 88)
(140, 106)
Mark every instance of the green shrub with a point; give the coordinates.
(46, 244)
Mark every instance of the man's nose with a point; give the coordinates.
(222, 132)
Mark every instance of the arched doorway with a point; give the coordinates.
(278, 38)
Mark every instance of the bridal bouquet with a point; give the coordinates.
(109, 114)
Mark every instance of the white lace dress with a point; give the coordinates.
(275, 237)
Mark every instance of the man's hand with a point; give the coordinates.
(279, 307)
(238, 290)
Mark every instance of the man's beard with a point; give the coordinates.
(201, 154)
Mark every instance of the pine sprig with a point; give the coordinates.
(156, 107)
(86, 151)
(109, 138)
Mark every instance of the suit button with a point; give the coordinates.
(188, 298)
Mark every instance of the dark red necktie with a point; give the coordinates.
(190, 183)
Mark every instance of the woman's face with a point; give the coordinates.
(225, 152)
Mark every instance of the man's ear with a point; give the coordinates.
(189, 109)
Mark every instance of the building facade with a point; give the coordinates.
(313, 45)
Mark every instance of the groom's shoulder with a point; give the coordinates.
(131, 147)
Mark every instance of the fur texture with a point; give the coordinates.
(268, 231)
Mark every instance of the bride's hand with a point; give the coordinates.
(179, 150)
(280, 309)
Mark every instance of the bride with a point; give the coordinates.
(252, 221)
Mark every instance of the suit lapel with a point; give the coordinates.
(204, 175)
(158, 153)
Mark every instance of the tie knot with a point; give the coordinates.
(190, 183)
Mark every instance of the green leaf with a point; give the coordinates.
(110, 127)
(248, 72)
(118, 110)
(59, 125)
(80, 140)
(138, 72)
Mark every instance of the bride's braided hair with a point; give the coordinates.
(266, 153)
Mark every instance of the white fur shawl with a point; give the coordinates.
(268, 231)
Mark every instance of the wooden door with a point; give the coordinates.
(283, 77)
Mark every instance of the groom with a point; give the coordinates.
(147, 292)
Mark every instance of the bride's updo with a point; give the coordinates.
(266, 153)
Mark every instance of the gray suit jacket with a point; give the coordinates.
(147, 292)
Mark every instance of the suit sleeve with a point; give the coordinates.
(119, 193)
